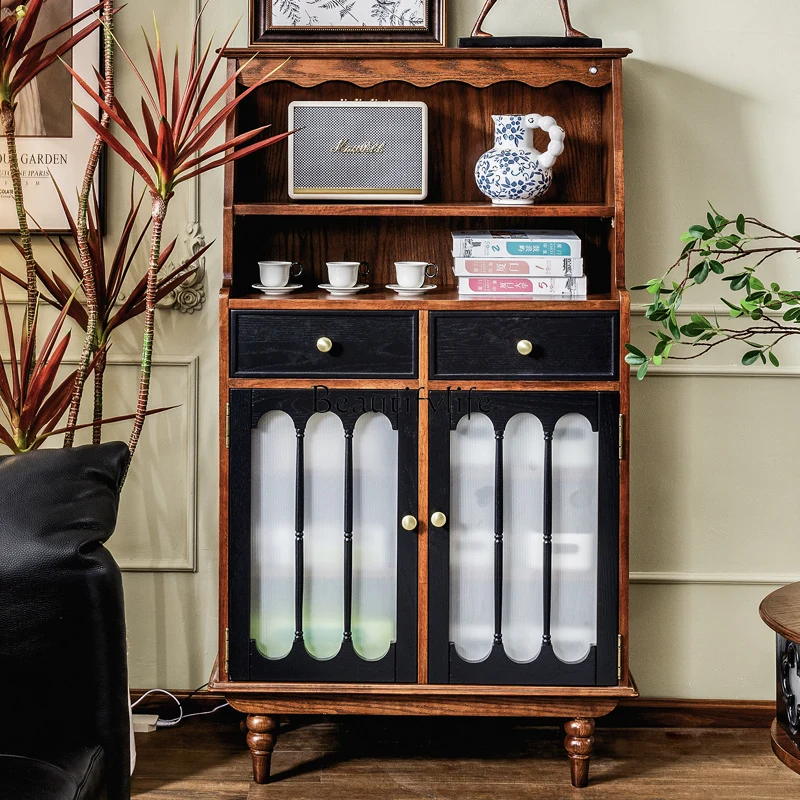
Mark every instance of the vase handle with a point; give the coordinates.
(549, 126)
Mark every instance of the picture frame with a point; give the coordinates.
(384, 23)
(53, 142)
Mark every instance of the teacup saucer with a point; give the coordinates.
(337, 291)
(403, 291)
(275, 291)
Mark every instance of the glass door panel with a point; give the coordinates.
(471, 536)
(272, 516)
(575, 515)
(375, 515)
(523, 482)
(323, 586)
(531, 490)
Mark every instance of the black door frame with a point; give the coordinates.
(246, 662)
(600, 666)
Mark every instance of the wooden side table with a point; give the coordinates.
(781, 612)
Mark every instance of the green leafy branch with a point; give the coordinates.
(732, 250)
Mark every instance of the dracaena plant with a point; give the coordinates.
(82, 238)
(178, 122)
(732, 251)
(22, 60)
(109, 274)
(32, 400)
(29, 400)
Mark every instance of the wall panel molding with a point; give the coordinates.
(715, 578)
(191, 364)
(686, 309)
(698, 370)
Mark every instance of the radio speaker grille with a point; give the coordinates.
(317, 167)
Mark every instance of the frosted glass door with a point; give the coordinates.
(528, 481)
(325, 498)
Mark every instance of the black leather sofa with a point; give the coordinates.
(64, 727)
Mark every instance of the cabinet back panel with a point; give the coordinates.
(383, 240)
(460, 129)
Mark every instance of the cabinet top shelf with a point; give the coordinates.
(361, 52)
(479, 209)
(446, 298)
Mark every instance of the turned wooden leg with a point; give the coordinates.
(262, 733)
(579, 743)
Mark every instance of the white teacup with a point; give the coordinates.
(412, 274)
(277, 273)
(345, 274)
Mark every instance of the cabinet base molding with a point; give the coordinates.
(631, 712)
(412, 704)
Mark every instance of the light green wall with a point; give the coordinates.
(712, 114)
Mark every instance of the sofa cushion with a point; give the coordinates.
(62, 624)
(75, 775)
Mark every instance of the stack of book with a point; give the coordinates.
(500, 263)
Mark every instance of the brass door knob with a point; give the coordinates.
(524, 347)
(438, 520)
(324, 344)
(409, 522)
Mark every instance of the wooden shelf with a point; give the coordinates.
(485, 55)
(480, 209)
(443, 299)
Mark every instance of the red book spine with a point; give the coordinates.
(496, 266)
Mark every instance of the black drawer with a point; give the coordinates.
(483, 345)
(267, 344)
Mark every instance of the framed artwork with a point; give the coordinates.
(52, 140)
(348, 22)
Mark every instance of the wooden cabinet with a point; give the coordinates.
(424, 515)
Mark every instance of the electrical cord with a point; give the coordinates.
(171, 723)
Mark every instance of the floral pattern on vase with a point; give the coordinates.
(513, 172)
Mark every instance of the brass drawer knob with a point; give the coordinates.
(438, 520)
(409, 522)
(324, 344)
(524, 347)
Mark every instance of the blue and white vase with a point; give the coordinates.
(513, 172)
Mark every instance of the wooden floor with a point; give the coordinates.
(450, 759)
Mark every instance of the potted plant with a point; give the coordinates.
(735, 251)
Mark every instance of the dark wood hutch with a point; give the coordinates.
(453, 537)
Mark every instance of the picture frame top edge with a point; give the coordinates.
(432, 34)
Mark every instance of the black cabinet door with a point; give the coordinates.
(322, 574)
(524, 564)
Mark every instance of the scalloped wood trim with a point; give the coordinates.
(365, 71)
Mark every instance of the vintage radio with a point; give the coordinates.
(358, 150)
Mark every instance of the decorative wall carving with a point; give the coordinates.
(190, 296)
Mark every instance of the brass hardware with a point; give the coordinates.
(438, 520)
(621, 441)
(324, 344)
(409, 522)
(619, 656)
(227, 651)
(227, 425)
(524, 347)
